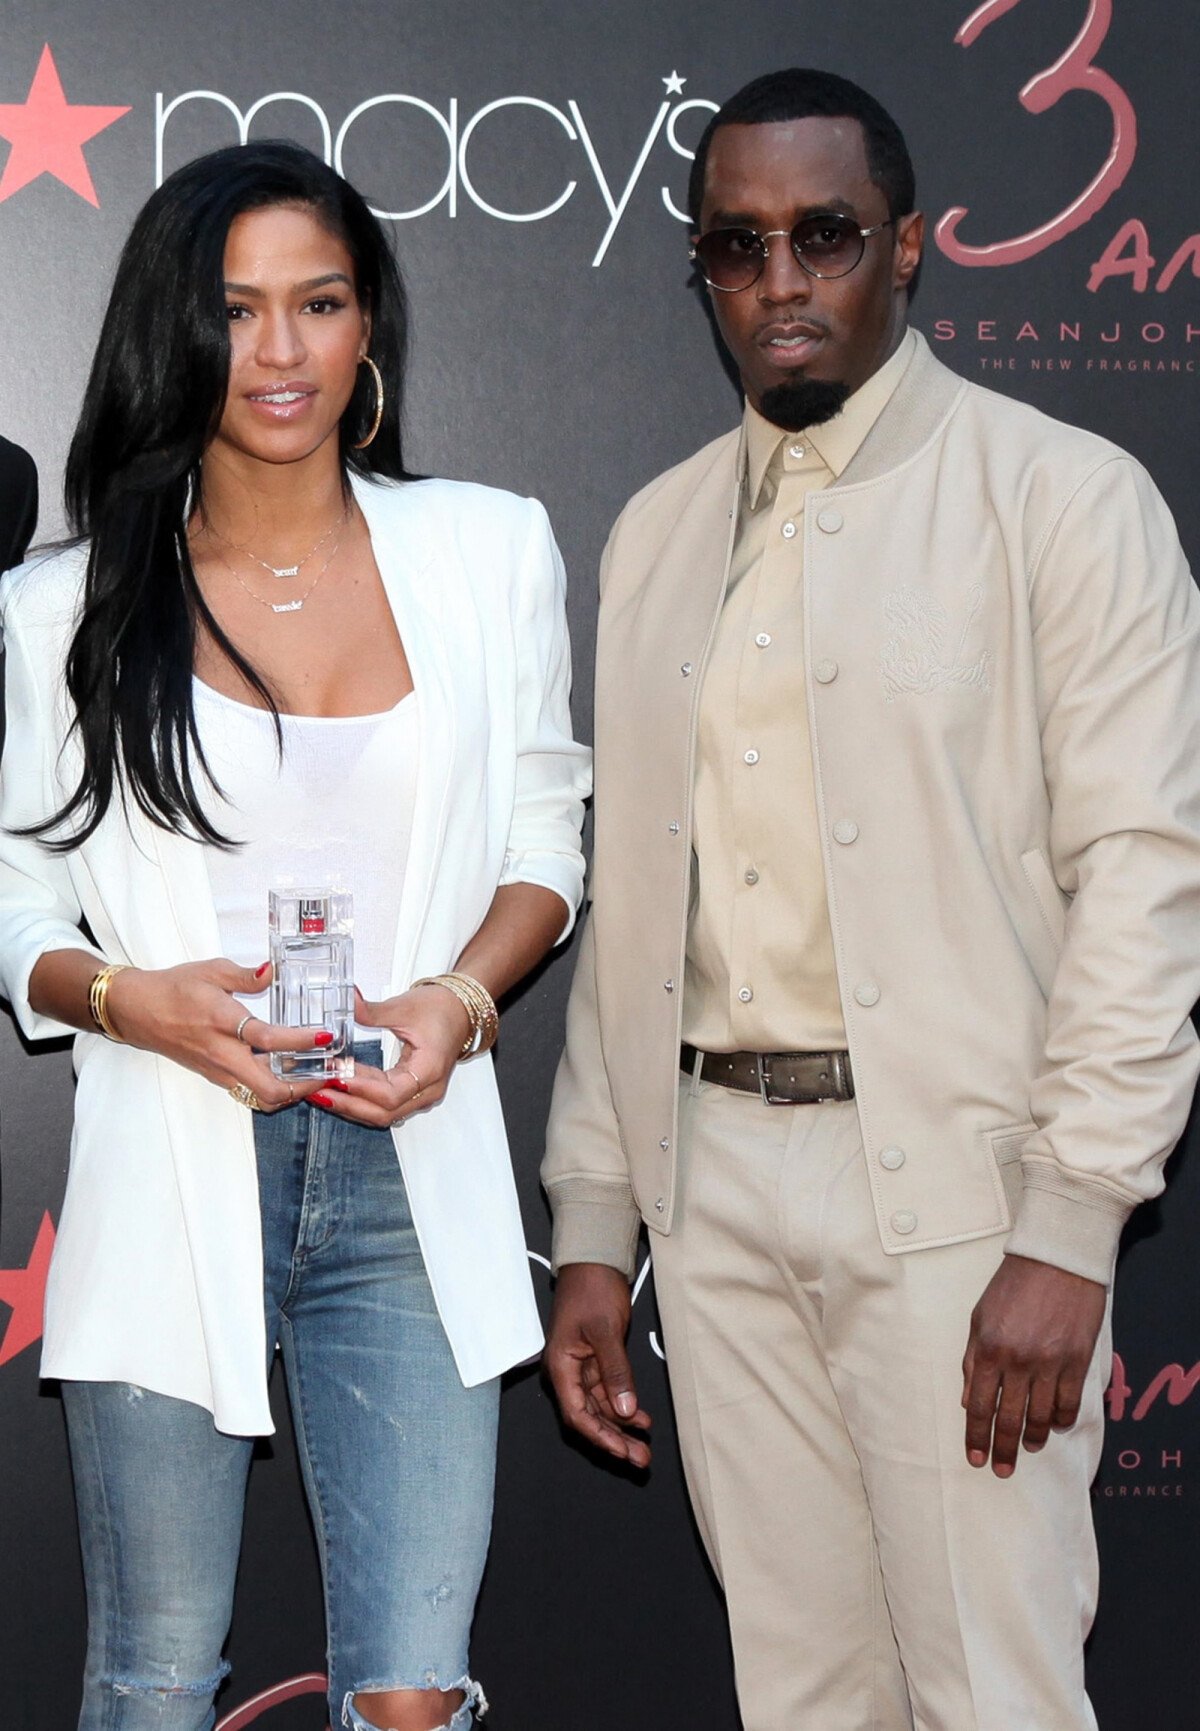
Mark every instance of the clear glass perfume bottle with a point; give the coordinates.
(312, 952)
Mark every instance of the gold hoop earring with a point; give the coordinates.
(375, 424)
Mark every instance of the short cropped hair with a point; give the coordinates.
(797, 94)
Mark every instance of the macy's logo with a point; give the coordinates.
(458, 133)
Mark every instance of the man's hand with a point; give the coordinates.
(1032, 1337)
(587, 1364)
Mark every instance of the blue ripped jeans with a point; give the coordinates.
(397, 1456)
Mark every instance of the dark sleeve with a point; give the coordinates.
(18, 503)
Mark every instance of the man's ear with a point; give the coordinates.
(910, 242)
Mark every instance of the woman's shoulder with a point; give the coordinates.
(436, 503)
(44, 593)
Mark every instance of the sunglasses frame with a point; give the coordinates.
(864, 235)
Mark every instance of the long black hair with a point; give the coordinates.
(153, 403)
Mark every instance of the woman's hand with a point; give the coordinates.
(433, 1026)
(189, 1014)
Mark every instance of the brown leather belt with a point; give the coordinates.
(778, 1078)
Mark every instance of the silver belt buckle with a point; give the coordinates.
(764, 1082)
(839, 1081)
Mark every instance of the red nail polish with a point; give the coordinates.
(319, 1100)
(338, 1086)
(324, 1038)
(259, 972)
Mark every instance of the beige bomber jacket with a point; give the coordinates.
(1002, 643)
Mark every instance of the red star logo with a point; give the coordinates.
(48, 133)
(24, 1291)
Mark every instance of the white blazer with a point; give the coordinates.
(157, 1272)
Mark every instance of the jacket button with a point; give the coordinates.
(866, 994)
(830, 520)
(892, 1159)
(826, 672)
(845, 830)
(904, 1222)
(659, 1204)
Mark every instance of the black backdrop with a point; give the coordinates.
(528, 155)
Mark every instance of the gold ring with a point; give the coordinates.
(416, 1079)
(291, 1093)
(241, 1025)
(245, 1096)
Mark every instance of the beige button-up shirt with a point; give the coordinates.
(760, 972)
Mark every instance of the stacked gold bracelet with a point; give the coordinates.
(479, 1004)
(98, 998)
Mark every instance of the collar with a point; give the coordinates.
(836, 442)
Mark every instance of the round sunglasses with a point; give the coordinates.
(825, 244)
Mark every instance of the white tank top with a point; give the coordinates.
(334, 812)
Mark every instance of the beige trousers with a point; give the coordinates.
(874, 1580)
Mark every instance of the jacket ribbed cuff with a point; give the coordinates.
(594, 1221)
(1068, 1222)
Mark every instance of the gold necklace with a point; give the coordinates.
(279, 570)
(281, 606)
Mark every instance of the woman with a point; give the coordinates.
(286, 662)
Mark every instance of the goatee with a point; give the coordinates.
(799, 403)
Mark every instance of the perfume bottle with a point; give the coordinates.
(312, 952)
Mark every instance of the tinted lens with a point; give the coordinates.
(827, 245)
(730, 258)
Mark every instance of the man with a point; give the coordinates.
(18, 503)
(881, 1018)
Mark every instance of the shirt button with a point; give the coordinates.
(788, 530)
(751, 756)
(796, 451)
(668, 985)
(746, 996)
(665, 1143)
(830, 520)
(686, 669)
(892, 1159)
(751, 875)
(659, 1204)
(826, 672)
(845, 831)
(866, 994)
(672, 829)
(763, 639)
(904, 1222)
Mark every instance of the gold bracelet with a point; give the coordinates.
(489, 1016)
(479, 1004)
(98, 999)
